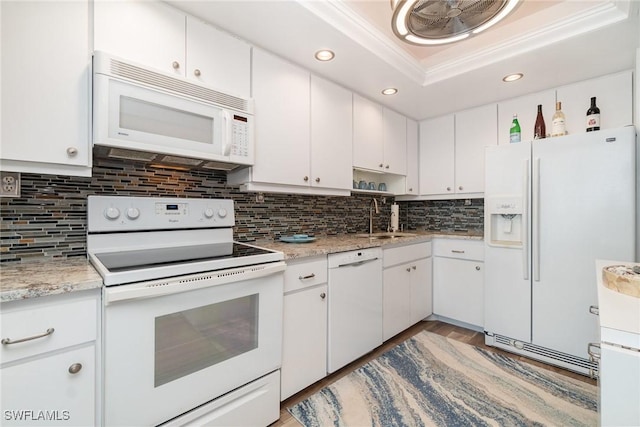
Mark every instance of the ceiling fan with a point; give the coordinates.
(432, 22)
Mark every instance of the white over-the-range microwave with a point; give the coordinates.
(147, 115)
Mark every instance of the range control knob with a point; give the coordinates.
(208, 213)
(133, 213)
(222, 212)
(112, 213)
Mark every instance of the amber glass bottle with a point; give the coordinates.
(539, 130)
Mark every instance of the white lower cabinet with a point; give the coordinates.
(49, 391)
(48, 360)
(406, 281)
(304, 349)
(458, 281)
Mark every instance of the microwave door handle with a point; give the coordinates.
(227, 133)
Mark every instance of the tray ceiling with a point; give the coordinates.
(551, 42)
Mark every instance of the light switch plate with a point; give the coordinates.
(10, 184)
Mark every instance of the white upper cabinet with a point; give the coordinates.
(282, 121)
(526, 107)
(614, 97)
(379, 138)
(217, 59)
(164, 38)
(437, 156)
(45, 89)
(452, 152)
(147, 32)
(367, 134)
(412, 186)
(394, 142)
(331, 135)
(303, 128)
(475, 129)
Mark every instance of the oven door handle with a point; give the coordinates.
(191, 282)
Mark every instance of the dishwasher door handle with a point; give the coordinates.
(358, 263)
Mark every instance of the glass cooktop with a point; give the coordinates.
(147, 258)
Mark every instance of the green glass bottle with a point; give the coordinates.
(514, 132)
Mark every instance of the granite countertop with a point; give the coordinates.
(347, 242)
(37, 279)
(20, 281)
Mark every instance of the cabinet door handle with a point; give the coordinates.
(72, 151)
(196, 72)
(323, 295)
(460, 188)
(408, 269)
(75, 368)
(457, 251)
(7, 341)
(594, 310)
(175, 65)
(413, 267)
(448, 188)
(306, 178)
(477, 267)
(308, 276)
(411, 189)
(318, 179)
(381, 164)
(386, 167)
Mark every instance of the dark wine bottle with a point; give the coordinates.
(593, 116)
(539, 130)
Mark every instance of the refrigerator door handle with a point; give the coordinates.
(535, 220)
(525, 215)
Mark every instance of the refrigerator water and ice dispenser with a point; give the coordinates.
(507, 222)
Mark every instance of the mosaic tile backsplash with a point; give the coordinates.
(49, 219)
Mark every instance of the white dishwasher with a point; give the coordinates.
(355, 305)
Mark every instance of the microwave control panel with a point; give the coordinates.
(240, 137)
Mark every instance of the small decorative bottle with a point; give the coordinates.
(539, 130)
(558, 123)
(593, 116)
(514, 132)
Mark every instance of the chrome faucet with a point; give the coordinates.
(374, 203)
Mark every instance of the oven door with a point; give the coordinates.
(165, 355)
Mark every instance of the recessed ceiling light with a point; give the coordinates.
(390, 91)
(325, 55)
(512, 77)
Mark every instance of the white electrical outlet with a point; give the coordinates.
(10, 182)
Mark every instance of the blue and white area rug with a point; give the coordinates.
(430, 380)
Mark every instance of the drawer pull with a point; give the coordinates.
(408, 269)
(456, 251)
(477, 267)
(323, 295)
(75, 368)
(8, 341)
(309, 276)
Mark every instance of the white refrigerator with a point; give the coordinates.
(552, 207)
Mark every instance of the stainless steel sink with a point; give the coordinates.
(385, 235)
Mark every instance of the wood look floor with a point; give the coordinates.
(437, 327)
